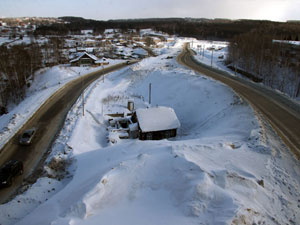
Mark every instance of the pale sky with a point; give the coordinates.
(277, 10)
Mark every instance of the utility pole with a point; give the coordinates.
(235, 58)
(149, 93)
(212, 55)
(82, 94)
(82, 102)
(103, 72)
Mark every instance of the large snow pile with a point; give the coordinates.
(220, 169)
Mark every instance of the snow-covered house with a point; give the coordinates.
(157, 123)
(84, 59)
(86, 32)
(170, 39)
(112, 31)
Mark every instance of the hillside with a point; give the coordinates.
(218, 29)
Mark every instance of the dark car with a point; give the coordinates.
(27, 136)
(8, 171)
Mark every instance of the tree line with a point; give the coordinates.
(213, 29)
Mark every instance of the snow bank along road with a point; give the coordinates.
(282, 113)
(48, 121)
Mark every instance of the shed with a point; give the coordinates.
(157, 123)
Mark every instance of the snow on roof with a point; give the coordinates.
(171, 39)
(87, 31)
(108, 31)
(82, 54)
(146, 31)
(157, 119)
(111, 31)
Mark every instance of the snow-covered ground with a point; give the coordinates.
(287, 42)
(224, 167)
(46, 82)
(212, 53)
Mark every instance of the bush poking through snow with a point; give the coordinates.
(261, 183)
(58, 167)
(113, 98)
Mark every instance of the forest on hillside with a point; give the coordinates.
(211, 29)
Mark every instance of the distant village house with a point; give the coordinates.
(84, 59)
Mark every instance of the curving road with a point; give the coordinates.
(281, 112)
(48, 120)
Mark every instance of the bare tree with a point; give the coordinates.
(149, 41)
(17, 65)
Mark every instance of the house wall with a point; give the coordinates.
(157, 135)
(86, 61)
(83, 61)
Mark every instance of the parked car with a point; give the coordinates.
(27, 136)
(8, 171)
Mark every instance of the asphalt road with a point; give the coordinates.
(48, 120)
(282, 113)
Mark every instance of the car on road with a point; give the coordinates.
(8, 171)
(27, 136)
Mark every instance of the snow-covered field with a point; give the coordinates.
(212, 53)
(224, 167)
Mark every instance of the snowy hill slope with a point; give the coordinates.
(222, 168)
